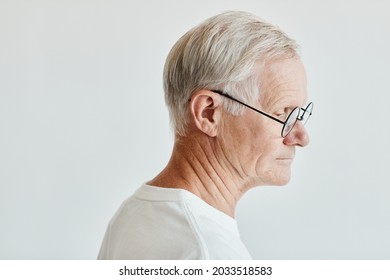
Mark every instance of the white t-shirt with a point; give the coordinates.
(164, 223)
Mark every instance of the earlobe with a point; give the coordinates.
(204, 108)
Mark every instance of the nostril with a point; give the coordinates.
(298, 136)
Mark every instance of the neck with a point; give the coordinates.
(195, 166)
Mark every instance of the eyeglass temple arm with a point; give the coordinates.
(246, 105)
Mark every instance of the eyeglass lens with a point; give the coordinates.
(290, 122)
(297, 114)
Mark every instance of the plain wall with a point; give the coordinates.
(83, 124)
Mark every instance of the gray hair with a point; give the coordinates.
(222, 53)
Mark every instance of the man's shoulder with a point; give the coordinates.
(170, 224)
(144, 228)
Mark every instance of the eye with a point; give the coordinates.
(281, 113)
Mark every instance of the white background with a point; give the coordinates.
(83, 124)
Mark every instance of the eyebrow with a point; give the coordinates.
(281, 103)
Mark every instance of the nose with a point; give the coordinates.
(298, 136)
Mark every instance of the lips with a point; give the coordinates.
(285, 159)
(287, 156)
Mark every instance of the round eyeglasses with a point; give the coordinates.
(297, 114)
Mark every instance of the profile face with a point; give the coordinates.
(253, 143)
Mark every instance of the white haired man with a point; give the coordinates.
(235, 88)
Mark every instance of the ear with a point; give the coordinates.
(205, 111)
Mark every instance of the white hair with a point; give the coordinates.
(222, 53)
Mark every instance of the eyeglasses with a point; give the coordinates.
(297, 114)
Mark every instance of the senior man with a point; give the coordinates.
(236, 92)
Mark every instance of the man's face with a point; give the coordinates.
(252, 143)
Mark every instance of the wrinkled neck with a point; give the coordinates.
(198, 166)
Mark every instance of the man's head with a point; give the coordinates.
(225, 52)
(227, 61)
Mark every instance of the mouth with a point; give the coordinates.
(285, 159)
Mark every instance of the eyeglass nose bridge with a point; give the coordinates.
(306, 113)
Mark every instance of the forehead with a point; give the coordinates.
(283, 83)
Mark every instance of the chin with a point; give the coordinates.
(282, 183)
(273, 175)
(274, 181)
(279, 180)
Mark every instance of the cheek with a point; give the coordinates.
(252, 144)
(240, 135)
(259, 154)
(255, 145)
(269, 169)
(265, 155)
